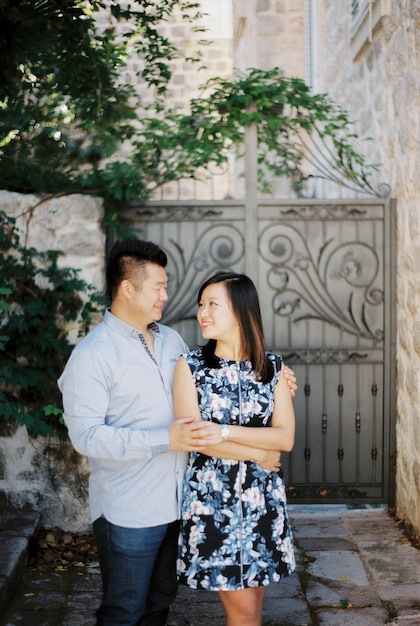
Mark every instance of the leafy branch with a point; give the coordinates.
(295, 127)
(63, 131)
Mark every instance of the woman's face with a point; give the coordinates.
(215, 314)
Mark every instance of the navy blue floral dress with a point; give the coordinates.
(235, 532)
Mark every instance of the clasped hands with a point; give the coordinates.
(193, 435)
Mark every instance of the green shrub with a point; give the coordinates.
(38, 302)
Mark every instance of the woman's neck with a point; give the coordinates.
(230, 352)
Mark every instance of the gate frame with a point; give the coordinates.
(251, 206)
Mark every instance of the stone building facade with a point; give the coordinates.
(369, 62)
(366, 55)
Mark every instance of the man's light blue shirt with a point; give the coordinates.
(117, 406)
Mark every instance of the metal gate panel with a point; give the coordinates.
(324, 272)
(324, 284)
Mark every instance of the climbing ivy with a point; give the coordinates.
(39, 301)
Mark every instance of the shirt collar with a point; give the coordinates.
(125, 329)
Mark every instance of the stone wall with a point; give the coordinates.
(46, 474)
(373, 71)
(269, 33)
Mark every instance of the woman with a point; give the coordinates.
(235, 534)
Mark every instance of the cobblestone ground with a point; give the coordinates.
(69, 598)
(355, 568)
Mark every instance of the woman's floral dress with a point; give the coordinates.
(235, 532)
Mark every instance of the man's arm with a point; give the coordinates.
(86, 398)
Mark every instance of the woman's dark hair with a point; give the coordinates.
(126, 258)
(244, 299)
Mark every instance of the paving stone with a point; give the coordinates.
(196, 608)
(79, 618)
(339, 595)
(328, 528)
(408, 618)
(393, 565)
(398, 592)
(286, 612)
(12, 565)
(344, 566)
(407, 605)
(287, 588)
(352, 617)
(325, 543)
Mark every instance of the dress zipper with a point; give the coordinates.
(238, 365)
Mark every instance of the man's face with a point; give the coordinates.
(150, 295)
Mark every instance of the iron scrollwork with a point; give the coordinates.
(324, 355)
(338, 286)
(322, 212)
(176, 213)
(219, 247)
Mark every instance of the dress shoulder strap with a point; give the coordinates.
(277, 362)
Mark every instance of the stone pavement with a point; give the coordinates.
(355, 568)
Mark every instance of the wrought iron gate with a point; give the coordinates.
(324, 272)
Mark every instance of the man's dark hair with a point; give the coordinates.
(126, 258)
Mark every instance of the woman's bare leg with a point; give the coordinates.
(243, 607)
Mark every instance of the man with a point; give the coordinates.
(117, 397)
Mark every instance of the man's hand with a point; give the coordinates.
(290, 378)
(189, 435)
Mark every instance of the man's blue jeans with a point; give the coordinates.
(138, 567)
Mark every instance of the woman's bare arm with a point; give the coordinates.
(186, 406)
